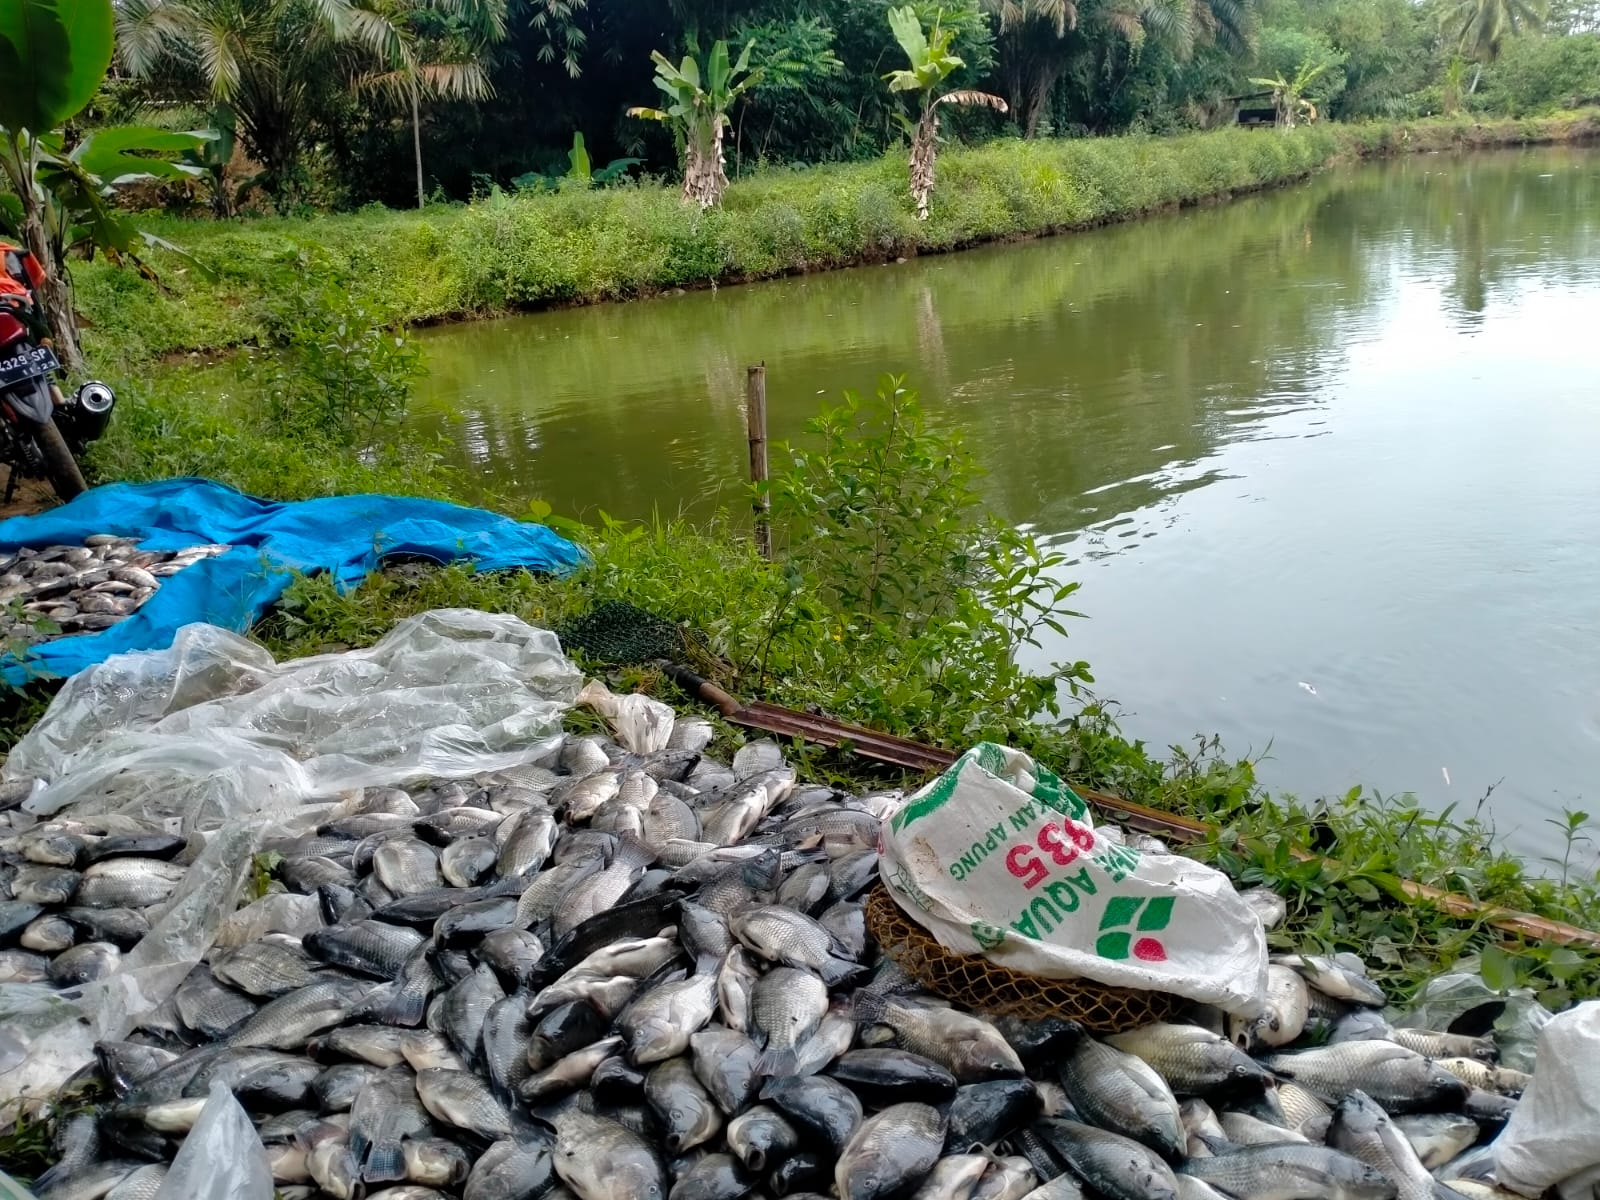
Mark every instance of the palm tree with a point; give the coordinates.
(266, 63)
(1480, 28)
(262, 62)
(1034, 49)
(1031, 55)
(931, 64)
(428, 48)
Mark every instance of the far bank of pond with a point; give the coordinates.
(1322, 456)
(529, 251)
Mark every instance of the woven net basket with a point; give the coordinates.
(979, 985)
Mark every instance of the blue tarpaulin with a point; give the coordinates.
(347, 536)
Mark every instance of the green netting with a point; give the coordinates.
(622, 634)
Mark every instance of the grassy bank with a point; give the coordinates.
(514, 252)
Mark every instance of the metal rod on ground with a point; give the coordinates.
(755, 407)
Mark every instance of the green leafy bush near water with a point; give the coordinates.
(509, 252)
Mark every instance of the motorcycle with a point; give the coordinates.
(42, 431)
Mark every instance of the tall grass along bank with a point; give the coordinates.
(509, 252)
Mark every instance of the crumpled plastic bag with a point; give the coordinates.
(642, 725)
(212, 730)
(50, 1033)
(1553, 1137)
(217, 741)
(1516, 1017)
(221, 1156)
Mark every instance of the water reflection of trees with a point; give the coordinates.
(1074, 364)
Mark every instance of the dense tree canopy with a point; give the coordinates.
(336, 102)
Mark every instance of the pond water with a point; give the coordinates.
(1326, 460)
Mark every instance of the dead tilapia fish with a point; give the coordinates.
(57, 591)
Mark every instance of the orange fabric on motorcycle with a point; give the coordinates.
(21, 275)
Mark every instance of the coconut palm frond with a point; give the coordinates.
(1232, 24)
(388, 39)
(1062, 15)
(217, 46)
(457, 80)
(1172, 23)
(145, 31)
(1124, 23)
(484, 19)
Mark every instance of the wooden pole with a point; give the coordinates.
(755, 408)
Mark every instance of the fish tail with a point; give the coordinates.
(777, 1061)
(386, 1163)
(836, 971)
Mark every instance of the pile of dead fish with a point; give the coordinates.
(78, 893)
(84, 588)
(638, 978)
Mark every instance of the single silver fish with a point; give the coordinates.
(1117, 1090)
(600, 1159)
(972, 1048)
(891, 1152)
(1291, 1172)
(658, 1024)
(1364, 1131)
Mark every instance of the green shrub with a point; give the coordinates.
(1542, 74)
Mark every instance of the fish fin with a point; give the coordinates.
(836, 971)
(633, 852)
(386, 1163)
(1215, 1144)
(525, 1129)
(546, 1114)
(869, 1007)
(778, 1061)
(52, 1176)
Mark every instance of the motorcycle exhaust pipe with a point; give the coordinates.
(85, 414)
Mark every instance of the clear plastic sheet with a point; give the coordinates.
(1448, 998)
(221, 1156)
(214, 739)
(212, 730)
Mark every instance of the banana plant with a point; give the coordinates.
(931, 64)
(53, 56)
(697, 114)
(1288, 95)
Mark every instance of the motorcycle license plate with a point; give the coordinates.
(27, 364)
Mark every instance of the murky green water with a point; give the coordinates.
(1328, 459)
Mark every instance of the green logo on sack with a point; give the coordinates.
(932, 798)
(1116, 941)
(986, 935)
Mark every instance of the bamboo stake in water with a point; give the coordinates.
(755, 405)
